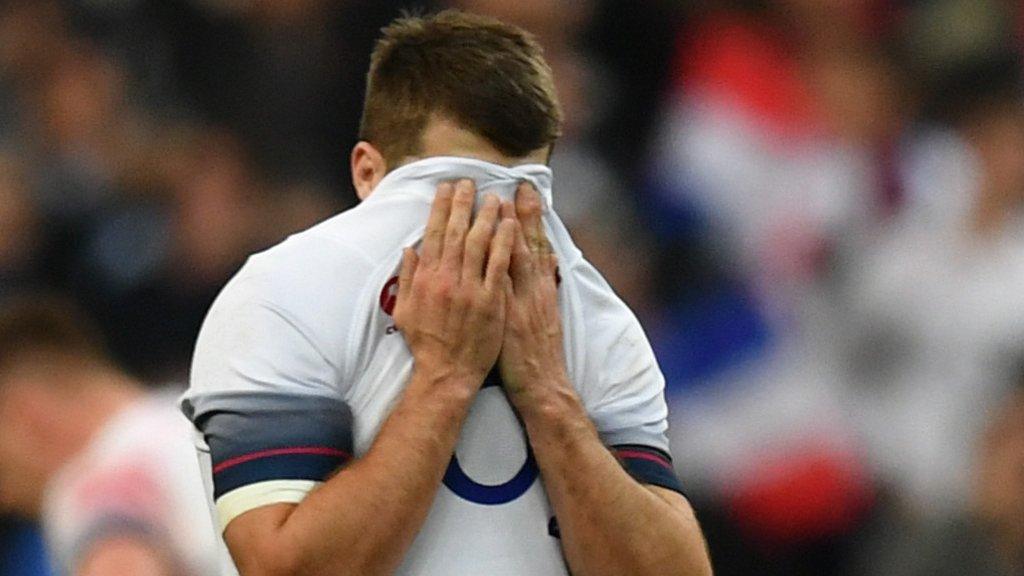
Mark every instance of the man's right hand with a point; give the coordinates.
(451, 297)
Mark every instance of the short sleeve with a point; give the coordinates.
(625, 392)
(263, 396)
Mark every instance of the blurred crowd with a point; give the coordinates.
(814, 206)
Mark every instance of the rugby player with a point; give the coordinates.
(106, 467)
(407, 388)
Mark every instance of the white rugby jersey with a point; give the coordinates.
(299, 363)
(137, 477)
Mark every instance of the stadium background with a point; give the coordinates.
(813, 206)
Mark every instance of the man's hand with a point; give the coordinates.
(532, 359)
(451, 298)
(610, 523)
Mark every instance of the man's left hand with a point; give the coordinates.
(532, 361)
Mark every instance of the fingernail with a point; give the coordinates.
(491, 200)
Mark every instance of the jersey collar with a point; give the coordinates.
(423, 176)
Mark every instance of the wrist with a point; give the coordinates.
(548, 401)
(446, 382)
(557, 420)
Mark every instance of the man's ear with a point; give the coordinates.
(368, 168)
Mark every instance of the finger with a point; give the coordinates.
(528, 210)
(458, 224)
(479, 239)
(508, 210)
(500, 255)
(521, 266)
(409, 263)
(437, 222)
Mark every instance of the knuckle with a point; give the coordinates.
(455, 235)
(462, 298)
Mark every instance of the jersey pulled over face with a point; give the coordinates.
(299, 363)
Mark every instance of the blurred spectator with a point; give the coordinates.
(936, 310)
(22, 237)
(149, 269)
(986, 539)
(286, 76)
(770, 145)
(106, 468)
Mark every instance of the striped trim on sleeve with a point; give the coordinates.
(648, 465)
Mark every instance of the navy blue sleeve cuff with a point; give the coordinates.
(277, 438)
(648, 466)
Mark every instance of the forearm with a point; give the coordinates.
(610, 524)
(363, 519)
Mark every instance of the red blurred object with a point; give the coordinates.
(809, 494)
(748, 63)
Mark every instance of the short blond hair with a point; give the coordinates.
(487, 76)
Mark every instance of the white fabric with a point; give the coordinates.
(305, 318)
(139, 474)
(241, 500)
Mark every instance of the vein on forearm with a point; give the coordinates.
(370, 512)
(610, 523)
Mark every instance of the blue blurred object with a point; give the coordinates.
(667, 210)
(22, 552)
(704, 336)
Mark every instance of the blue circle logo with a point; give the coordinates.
(456, 479)
(459, 482)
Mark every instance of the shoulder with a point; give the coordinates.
(291, 319)
(322, 271)
(311, 282)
